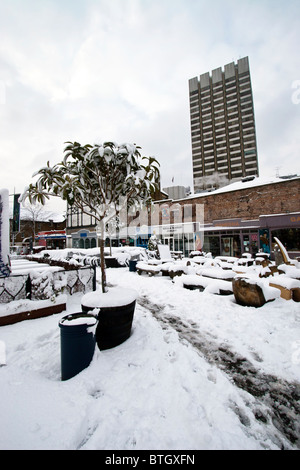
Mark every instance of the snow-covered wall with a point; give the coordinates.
(4, 233)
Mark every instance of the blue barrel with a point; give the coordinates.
(77, 343)
(132, 265)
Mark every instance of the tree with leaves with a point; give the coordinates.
(99, 180)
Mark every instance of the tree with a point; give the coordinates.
(33, 213)
(98, 180)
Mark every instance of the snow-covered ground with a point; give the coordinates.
(198, 372)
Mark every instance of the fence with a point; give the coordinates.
(45, 284)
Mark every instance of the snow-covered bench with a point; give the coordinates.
(213, 286)
(218, 273)
(289, 288)
(150, 269)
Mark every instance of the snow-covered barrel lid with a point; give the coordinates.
(115, 297)
(80, 318)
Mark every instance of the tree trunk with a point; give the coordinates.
(102, 260)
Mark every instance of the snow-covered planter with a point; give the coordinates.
(47, 284)
(80, 280)
(13, 288)
(115, 311)
(20, 310)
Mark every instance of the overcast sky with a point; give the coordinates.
(97, 70)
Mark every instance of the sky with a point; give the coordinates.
(100, 70)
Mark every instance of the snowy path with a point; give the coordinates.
(277, 400)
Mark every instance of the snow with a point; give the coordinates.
(70, 320)
(148, 266)
(290, 271)
(285, 282)
(115, 297)
(4, 229)
(217, 273)
(18, 306)
(159, 390)
(164, 251)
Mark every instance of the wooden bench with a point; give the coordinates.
(289, 288)
(150, 269)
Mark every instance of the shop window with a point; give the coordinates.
(254, 242)
(212, 245)
(75, 243)
(246, 244)
(290, 237)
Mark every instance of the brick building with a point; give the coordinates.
(241, 217)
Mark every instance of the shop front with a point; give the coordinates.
(286, 227)
(52, 239)
(182, 237)
(228, 237)
(233, 237)
(231, 242)
(84, 239)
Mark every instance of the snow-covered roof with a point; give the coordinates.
(238, 185)
(42, 216)
(257, 181)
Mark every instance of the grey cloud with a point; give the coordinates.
(97, 70)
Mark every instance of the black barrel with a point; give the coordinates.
(115, 311)
(77, 343)
(114, 325)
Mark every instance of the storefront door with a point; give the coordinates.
(169, 241)
(231, 245)
(250, 243)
